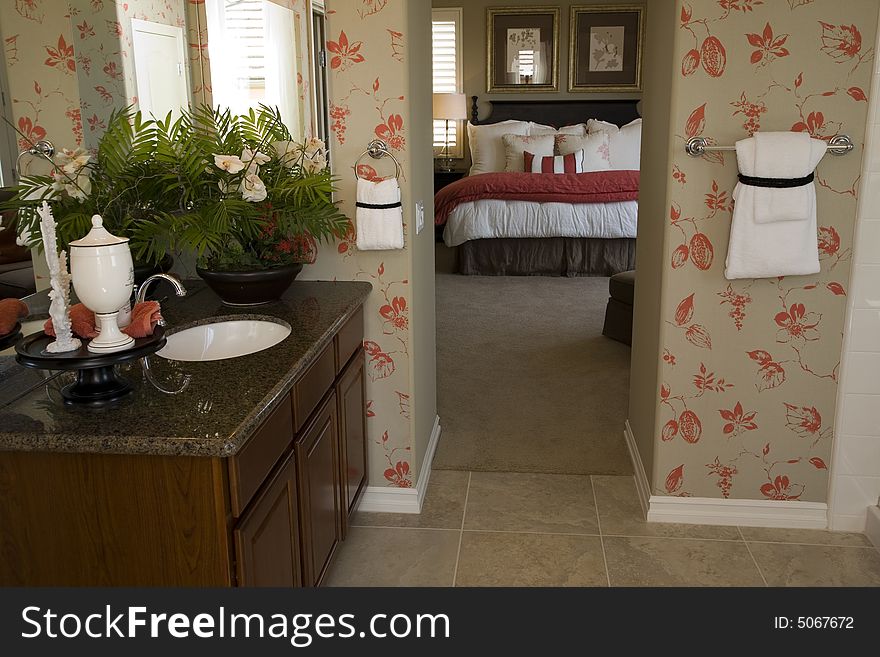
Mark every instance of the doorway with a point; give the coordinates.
(160, 68)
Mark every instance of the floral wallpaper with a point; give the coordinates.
(366, 51)
(750, 368)
(38, 46)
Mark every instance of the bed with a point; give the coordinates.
(559, 224)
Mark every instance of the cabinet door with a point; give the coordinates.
(267, 537)
(318, 475)
(351, 397)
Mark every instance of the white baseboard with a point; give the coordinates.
(853, 523)
(643, 487)
(872, 526)
(390, 499)
(712, 511)
(745, 513)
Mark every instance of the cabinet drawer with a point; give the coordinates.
(313, 385)
(249, 468)
(349, 339)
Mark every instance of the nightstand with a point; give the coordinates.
(443, 178)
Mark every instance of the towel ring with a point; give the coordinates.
(377, 149)
(43, 149)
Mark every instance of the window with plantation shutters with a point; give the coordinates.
(253, 50)
(243, 20)
(446, 59)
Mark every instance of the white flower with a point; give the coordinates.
(253, 189)
(289, 152)
(72, 161)
(314, 145)
(81, 189)
(254, 159)
(229, 163)
(315, 163)
(77, 187)
(58, 181)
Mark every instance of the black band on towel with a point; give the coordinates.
(378, 206)
(777, 183)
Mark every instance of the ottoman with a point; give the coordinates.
(619, 312)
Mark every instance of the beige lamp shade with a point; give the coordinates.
(450, 106)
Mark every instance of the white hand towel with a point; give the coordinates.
(781, 155)
(381, 228)
(773, 231)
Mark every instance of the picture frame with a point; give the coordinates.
(605, 48)
(522, 49)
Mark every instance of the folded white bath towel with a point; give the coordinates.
(773, 230)
(379, 215)
(781, 155)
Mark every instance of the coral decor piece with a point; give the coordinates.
(59, 308)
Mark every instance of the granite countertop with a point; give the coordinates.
(180, 408)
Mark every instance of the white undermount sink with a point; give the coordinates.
(225, 339)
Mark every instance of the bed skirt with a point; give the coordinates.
(547, 256)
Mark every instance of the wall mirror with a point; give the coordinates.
(255, 49)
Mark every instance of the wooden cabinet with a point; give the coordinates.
(318, 473)
(270, 515)
(351, 400)
(267, 539)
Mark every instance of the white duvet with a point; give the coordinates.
(489, 218)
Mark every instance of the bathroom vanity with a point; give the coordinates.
(236, 472)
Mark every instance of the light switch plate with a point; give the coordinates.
(420, 216)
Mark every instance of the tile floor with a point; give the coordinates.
(514, 529)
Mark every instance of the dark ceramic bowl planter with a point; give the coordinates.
(250, 288)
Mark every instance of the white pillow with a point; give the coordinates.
(626, 146)
(596, 149)
(516, 145)
(626, 142)
(538, 129)
(596, 125)
(487, 149)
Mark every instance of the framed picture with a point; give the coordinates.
(523, 45)
(605, 48)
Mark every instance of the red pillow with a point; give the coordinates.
(571, 163)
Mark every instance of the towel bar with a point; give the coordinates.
(377, 149)
(696, 146)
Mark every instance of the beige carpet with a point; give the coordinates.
(527, 382)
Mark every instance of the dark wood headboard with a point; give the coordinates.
(558, 112)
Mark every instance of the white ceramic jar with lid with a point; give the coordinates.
(102, 271)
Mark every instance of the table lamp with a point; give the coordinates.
(449, 107)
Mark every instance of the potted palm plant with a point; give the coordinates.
(236, 191)
(104, 181)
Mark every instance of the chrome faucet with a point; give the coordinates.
(171, 278)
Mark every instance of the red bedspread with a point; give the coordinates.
(591, 187)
